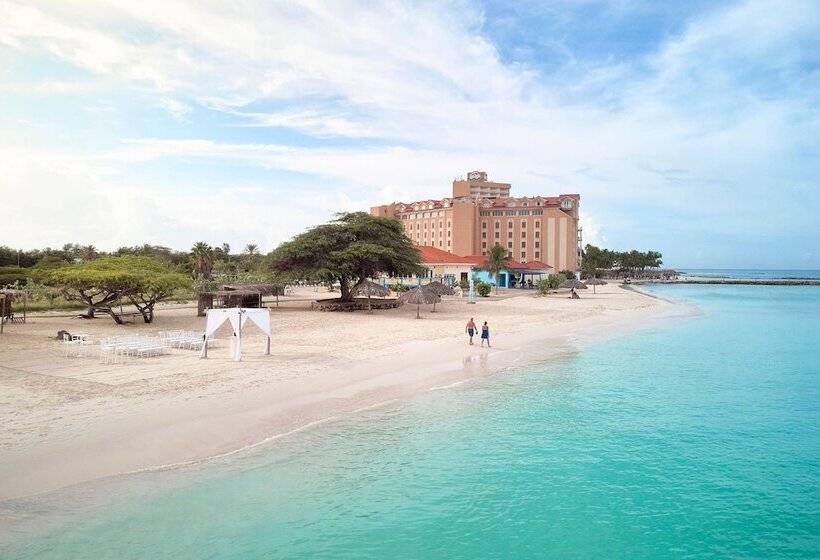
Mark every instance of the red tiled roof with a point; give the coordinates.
(532, 265)
(433, 255)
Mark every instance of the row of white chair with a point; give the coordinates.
(119, 348)
(189, 340)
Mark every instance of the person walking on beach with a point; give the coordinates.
(470, 329)
(485, 334)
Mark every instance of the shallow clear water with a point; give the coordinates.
(698, 439)
(744, 273)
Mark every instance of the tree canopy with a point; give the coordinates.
(596, 259)
(353, 247)
(102, 282)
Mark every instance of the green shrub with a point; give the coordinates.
(399, 288)
(483, 289)
(555, 280)
(464, 284)
(11, 275)
(543, 286)
(568, 274)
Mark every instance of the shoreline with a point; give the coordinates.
(190, 434)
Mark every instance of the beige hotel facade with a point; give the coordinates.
(481, 213)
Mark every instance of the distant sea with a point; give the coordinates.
(741, 273)
(696, 439)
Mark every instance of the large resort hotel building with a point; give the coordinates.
(482, 213)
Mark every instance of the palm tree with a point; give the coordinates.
(252, 249)
(497, 260)
(203, 256)
(88, 252)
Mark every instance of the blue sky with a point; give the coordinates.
(688, 127)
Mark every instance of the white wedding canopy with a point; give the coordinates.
(237, 316)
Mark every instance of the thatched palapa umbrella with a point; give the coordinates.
(595, 282)
(419, 296)
(440, 289)
(572, 283)
(369, 288)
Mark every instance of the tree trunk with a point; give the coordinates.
(109, 311)
(204, 301)
(89, 314)
(344, 288)
(147, 313)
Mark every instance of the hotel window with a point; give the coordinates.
(537, 244)
(537, 255)
(483, 244)
(417, 226)
(523, 234)
(523, 244)
(509, 225)
(448, 243)
(509, 245)
(509, 235)
(439, 242)
(497, 224)
(449, 233)
(483, 235)
(537, 234)
(425, 225)
(523, 224)
(441, 224)
(448, 223)
(498, 235)
(483, 225)
(537, 224)
(523, 256)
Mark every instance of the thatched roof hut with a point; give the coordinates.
(262, 289)
(572, 283)
(439, 289)
(594, 282)
(369, 288)
(420, 296)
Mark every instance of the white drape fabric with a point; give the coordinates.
(237, 316)
(259, 317)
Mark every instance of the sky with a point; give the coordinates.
(692, 128)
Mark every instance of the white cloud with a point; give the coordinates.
(421, 95)
(178, 110)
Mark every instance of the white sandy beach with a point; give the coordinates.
(65, 421)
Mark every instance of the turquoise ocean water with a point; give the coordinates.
(699, 438)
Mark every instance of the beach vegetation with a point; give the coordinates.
(568, 274)
(464, 284)
(543, 286)
(13, 276)
(483, 289)
(102, 283)
(353, 247)
(597, 262)
(498, 260)
(202, 259)
(555, 280)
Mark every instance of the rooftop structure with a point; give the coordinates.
(481, 213)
